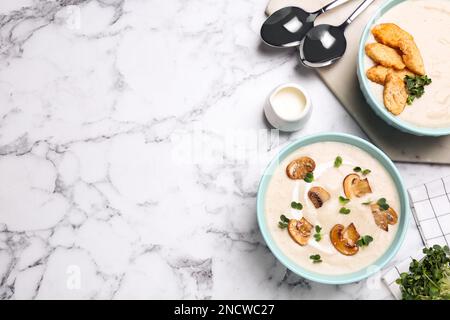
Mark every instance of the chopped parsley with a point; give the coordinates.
(416, 86)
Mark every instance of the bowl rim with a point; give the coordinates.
(380, 109)
(381, 157)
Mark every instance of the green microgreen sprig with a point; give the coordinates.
(284, 222)
(383, 204)
(364, 241)
(365, 172)
(338, 162)
(318, 235)
(315, 258)
(309, 177)
(296, 205)
(343, 201)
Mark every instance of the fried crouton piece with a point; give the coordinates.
(390, 34)
(385, 56)
(395, 37)
(411, 56)
(395, 94)
(378, 74)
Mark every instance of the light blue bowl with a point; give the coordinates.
(391, 169)
(376, 105)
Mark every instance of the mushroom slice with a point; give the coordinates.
(351, 234)
(392, 216)
(384, 218)
(380, 217)
(318, 196)
(344, 239)
(300, 230)
(354, 186)
(299, 168)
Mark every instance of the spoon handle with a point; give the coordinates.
(363, 6)
(331, 5)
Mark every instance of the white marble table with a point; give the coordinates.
(102, 196)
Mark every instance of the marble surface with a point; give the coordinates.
(132, 141)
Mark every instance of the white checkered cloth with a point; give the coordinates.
(430, 206)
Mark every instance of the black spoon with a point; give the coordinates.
(325, 44)
(287, 27)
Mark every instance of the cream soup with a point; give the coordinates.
(428, 21)
(282, 191)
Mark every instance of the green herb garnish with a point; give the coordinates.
(383, 204)
(318, 235)
(367, 203)
(429, 278)
(315, 258)
(309, 177)
(338, 162)
(344, 210)
(283, 223)
(296, 205)
(343, 200)
(363, 171)
(416, 86)
(364, 241)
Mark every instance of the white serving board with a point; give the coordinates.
(342, 81)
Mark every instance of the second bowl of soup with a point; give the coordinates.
(403, 65)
